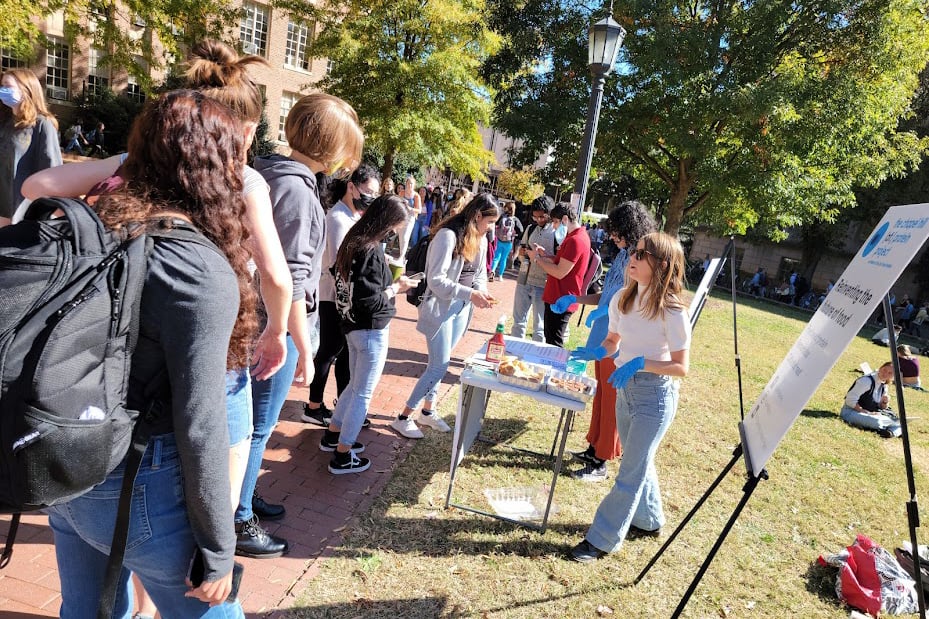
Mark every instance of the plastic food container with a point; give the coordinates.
(519, 503)
(571, 386)
(525, 383)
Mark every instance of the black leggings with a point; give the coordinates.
(332, 349)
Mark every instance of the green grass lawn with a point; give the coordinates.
(409, 557)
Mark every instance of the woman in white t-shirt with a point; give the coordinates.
(650, 329)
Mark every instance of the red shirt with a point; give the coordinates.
(576, 249)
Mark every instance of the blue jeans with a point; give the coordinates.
(367, 353)
(503, 251)
(268, 397)
(159, 548)
(527, 298)
(874, 421)
(645, 408)
(420, 229)
(238, 405)
(440, 354)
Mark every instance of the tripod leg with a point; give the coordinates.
(746, 495)
(735, 458)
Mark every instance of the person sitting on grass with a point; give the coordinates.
(882, 337)
(909, 368)
(867, 403)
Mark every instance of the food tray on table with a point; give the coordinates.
(571, 386)
(518, 373)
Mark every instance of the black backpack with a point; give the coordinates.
(68, 327)
(416, 263)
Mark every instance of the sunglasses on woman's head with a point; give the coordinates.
(639, 254)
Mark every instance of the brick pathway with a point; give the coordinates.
(318, 504)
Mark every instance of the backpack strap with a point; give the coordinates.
(90, 237)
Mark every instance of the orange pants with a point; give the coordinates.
(602, 433)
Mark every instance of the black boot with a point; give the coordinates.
(253, 541)
(265, 510)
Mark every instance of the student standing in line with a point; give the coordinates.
(414, 203)
(357, 194)
(627, 223)
(565, 270)
(509, 230)
(530, 281)
(456, 281)
(365, 296)
(324, 136)
(28, 136)
(197, 318)
(650, 329)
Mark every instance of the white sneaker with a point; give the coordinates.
(406, 427)
(435, 422)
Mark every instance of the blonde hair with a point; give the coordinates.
(325, 129)
(33, 104)
(216, 70)
(904, 350)
(666, 257)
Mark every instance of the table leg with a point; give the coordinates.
(567, 415)
(472, 403)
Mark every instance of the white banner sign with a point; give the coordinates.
(861, 289)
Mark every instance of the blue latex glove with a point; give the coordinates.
(597, 313)
(563, 303)
(594, 353)
(623, 373)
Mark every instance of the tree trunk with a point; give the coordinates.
(388, 168)
(677, 201)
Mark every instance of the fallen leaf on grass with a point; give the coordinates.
(604, 610)
(432, 515)
(750, 605)
(360, 574)
(564, 582)
(725, 610)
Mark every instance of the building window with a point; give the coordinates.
(98, 78)
(298, 37)
(133, 89)
(57, 69)
(288, 99)
(9, 60)
(253, 30)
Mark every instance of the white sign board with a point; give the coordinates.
(703, 290)
(859, 291)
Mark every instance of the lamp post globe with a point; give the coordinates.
(604, 40)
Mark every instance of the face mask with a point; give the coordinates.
(363, 201)
(561, 233)
(10, 96)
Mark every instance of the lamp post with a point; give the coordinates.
(605, 39)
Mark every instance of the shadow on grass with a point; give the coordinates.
(820, 580)
(370, 609)
(819, 414)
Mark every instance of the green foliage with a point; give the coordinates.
(410, 69)
(115, 111)
(731, 113)
(522, 184)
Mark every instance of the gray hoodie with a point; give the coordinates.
(299, 219)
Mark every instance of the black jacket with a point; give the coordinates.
(362, 301)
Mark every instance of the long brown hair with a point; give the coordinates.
(666, 257)
(185, 153)
(464, 225)
(33, 104)
(384, 214)
(216, 70)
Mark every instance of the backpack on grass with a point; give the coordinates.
(69, 322)
(416, 263)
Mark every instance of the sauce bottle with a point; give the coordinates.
(496, 347)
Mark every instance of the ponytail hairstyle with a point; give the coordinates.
(385, 214)
(464, 225)
(185, 153)
(33, 104)
(666, 257)
(217, 70)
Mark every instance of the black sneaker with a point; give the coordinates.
(637, 533)
(253, 541)
(588, 456)
(348, 462)
(329, 443)
(320, 416)
(585, 552)
(265, 510)
(591, 472)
